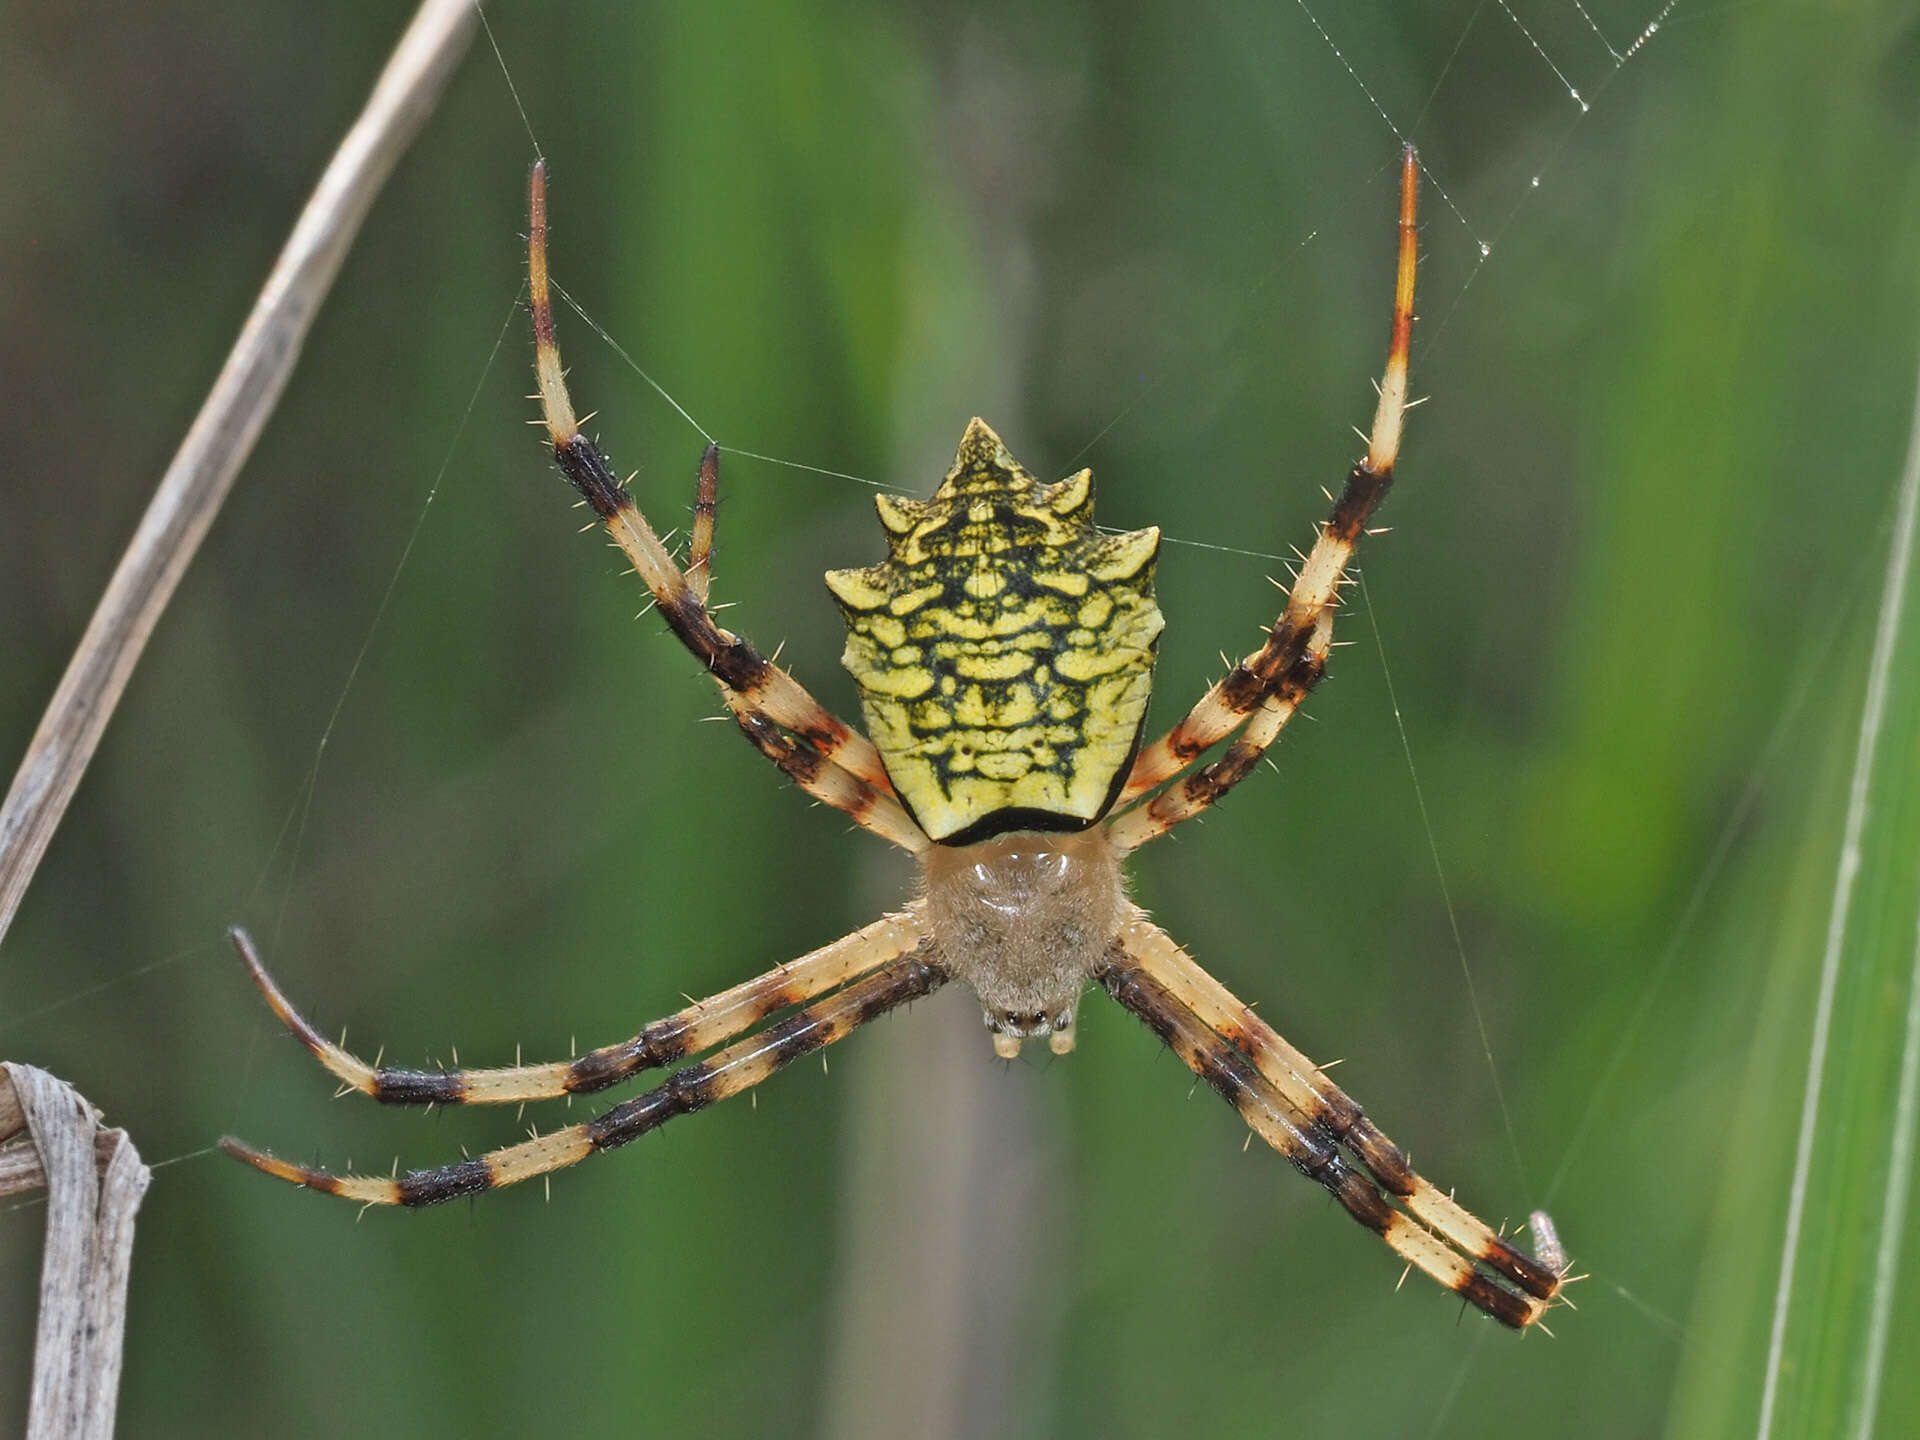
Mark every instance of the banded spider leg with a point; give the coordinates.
(1290, 1104)
(839, 987)
(1283, 1096)
(1264, 691)
(820, 752)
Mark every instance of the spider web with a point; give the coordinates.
(1514, 105)
(1471, 233)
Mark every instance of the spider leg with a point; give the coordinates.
(750, 682)
(1285, 666)
(1332, 1116)
(739, 1067)
(699, 1027)
(1306, 1142)
(1132, 828)
(809, 768)
(706, 512)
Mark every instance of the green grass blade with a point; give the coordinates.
(1886, 1270)
(1821, 1380)
(1809, 1354)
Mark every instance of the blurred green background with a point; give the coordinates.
(1627, 602)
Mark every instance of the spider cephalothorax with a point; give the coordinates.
(1026, 919)
(1004, 652)
(1003, 649)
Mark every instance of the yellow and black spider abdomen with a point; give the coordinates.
(1004, 648)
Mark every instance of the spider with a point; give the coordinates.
(1003, 652)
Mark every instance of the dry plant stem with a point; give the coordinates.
(95, 1183)
(196, 483)
(20, 1169)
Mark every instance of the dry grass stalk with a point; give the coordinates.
(222, 436)
(94, 1180)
